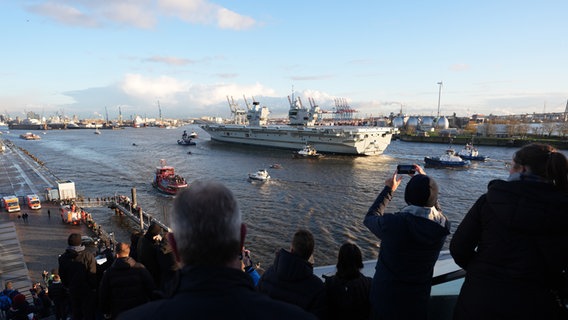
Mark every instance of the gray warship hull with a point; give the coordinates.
(353, 140)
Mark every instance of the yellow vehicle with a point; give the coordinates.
(33, 201)
(11, 203)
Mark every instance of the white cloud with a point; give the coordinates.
(227, 19)
(170, 60)
(143, 14)
(204, 12)
(162, 88)
(459, 67)
(64, 14)
(182, 98)
(130, 13)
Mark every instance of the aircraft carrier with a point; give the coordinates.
(251, 127)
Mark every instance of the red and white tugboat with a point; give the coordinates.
(166, 180)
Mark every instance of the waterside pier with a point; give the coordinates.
(32, 245)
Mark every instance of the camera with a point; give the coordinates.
(405, 169)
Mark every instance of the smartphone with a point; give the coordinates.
(405, 169)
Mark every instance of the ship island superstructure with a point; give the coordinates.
(251, 127)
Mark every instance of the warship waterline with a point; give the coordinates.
(301, 131)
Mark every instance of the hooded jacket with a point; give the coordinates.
(411, 241)
(513, 243)
(291, 279)
(78, 270)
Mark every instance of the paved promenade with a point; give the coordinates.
(28, 248)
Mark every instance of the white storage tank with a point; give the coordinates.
(398, 122)
(442, 123)
(428, 121)
(412, 122)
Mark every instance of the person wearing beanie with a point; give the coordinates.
(411, 240)
(78, 272)
(20, 309)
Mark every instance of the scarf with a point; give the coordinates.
(76, 248)
(430, 213)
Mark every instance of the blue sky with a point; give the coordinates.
(83, 57)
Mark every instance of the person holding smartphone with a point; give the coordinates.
(411, 240)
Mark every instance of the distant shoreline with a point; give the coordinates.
(558, 143)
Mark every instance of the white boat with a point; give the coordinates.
(251, 127)
(260, 175)
(30, 136)
(307, 152)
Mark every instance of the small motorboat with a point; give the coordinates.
(186, 142)
(260, 175)
(276, 166)
(447, 160)
(30, 136)
(186, 139)
(307, 152)
(471, 153)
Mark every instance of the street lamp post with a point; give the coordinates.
(439, 96)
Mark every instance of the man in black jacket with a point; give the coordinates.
(291, 278)
(78, 272)
(207, 239)
(125, 285)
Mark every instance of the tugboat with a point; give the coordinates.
(166, 180)
(307, 152)
(471, 153)
(447, 160)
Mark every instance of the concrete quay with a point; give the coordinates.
(28, 248)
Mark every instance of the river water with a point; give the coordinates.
(328, 196)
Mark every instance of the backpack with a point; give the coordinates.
(5, 302)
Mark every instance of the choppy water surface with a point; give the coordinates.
(329, 196)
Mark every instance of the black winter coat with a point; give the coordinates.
(291, 279)
(78, 271)
(348, 298)
(513, 243)
(215, 293)
(147, 252)
(410, 246)
(125, 285)
(57, 293)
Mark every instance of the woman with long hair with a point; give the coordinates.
(513, 242)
